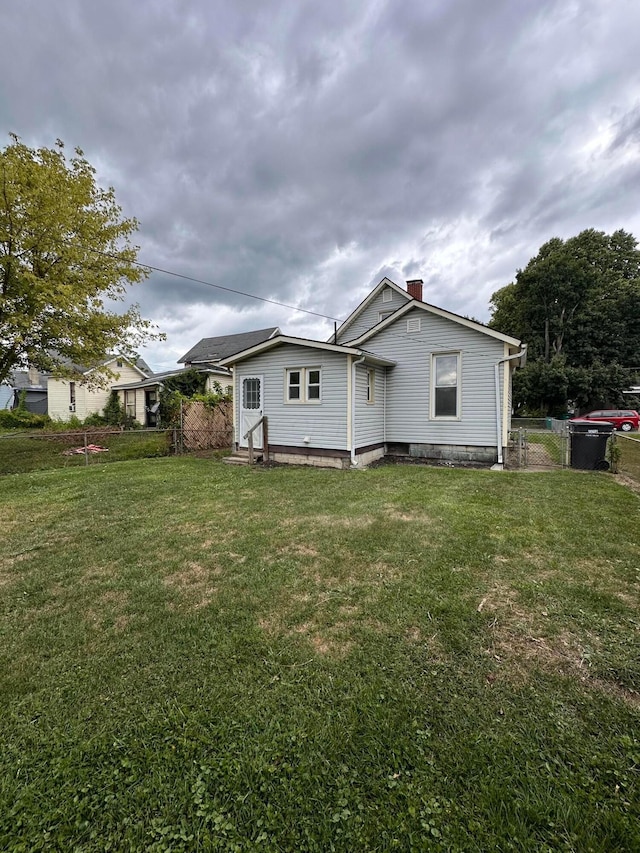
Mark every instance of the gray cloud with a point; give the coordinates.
(300, 151)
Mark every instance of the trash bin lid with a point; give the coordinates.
(586, 425)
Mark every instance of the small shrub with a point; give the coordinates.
(113, 413)
(94, 420)
(22, 419)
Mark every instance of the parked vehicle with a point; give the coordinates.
(623, 419)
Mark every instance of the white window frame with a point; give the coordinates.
(304, 384)
(382, 315)
(371, 386)
(130, 404)
(432, 403)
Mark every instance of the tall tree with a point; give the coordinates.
(577, 305)
(65, 252)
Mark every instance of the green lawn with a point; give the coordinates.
(200, 657)
(22, 452)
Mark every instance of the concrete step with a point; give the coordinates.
(240, 458)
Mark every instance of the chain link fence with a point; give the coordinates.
(200, 429)
(628, 461)
(539, 448)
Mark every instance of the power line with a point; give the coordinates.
(220, 287)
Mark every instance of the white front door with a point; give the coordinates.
(250, 410)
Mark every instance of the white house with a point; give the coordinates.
(67, 397)
(400, 376)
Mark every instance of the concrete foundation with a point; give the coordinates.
(454, 453)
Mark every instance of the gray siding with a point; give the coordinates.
(408, 383)
(325, 423)
(370, 316)
(369, 416)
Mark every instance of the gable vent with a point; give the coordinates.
(387, 294)
(414, 324)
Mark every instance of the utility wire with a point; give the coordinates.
(219, 286)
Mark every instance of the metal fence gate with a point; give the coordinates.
(532, 448)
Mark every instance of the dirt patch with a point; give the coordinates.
(110, 607)
(631, 484)
(519, 639)
(326, 641)
(348, 522)
(299, 550)
(194, 584)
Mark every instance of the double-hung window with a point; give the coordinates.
(130, 403)
(303, 385)
(371, 386)
(445, 385)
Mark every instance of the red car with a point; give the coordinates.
(624, 419)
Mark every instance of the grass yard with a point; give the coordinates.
(23, 452)
(200, 657)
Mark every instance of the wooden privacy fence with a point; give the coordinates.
(206, 428)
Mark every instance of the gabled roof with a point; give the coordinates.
(278, 340)
(212, 350)
(415, 304)
(386, 282)
(140, 365)
(158, 378)
(19, 380)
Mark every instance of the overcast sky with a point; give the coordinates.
(300, 151)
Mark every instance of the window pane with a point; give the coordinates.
(446, 400)
(313, 392)
(251, 393)
(293, 385)
(314, 377)
(446, 370)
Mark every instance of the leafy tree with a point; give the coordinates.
(177, 388)
(188, 382)
(577, 305)
(64, 251)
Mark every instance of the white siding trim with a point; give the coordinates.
(432, 389)
(507, 371)
(349, 406)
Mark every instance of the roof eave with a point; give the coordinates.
(438, 312)
(307, 343)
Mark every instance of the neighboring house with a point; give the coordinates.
(6, 395)
(68, 397)
(210, 352)
(30, 386)
(399, 376)
(141, 397)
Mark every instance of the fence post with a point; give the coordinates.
(520, 447)
(265, 439)
(250, 437)
(86, 452)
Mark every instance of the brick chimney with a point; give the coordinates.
(414, 288)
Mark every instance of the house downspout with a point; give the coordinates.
(522, 356)
(354, 364)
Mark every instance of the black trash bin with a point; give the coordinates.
(589, 444)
